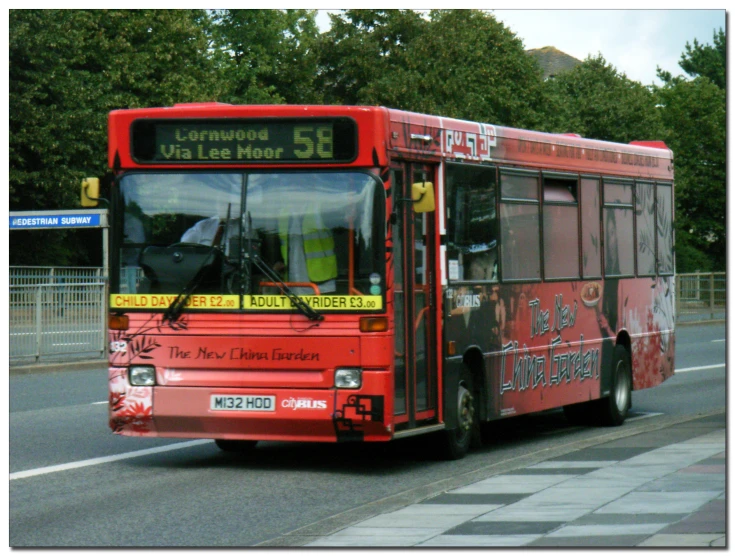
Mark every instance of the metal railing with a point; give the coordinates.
(57, 312)
(701, 296)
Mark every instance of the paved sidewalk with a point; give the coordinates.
(663, 488)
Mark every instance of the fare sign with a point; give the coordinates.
(223, 141)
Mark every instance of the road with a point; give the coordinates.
(196, 495)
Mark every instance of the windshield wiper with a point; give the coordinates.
(173, 312)
(272, 275)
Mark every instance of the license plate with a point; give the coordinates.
(242, 403)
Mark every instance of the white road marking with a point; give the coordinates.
(98, 403)
(688, 369)
(642, 416)
(105, 459)
(723, 340)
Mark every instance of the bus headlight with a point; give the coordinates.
(348, 378)
(142, 375)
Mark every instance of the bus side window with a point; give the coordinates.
(472, 247)
(520, 226)
(645, 199)
(617, 218)
(665, 228)
(591, 253)
(561, 229)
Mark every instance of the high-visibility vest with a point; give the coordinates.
(321, 260)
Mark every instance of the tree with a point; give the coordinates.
(68, 69)
(267, 56)
(360, 47)
(467, 65)
(596, 101)
(707, 61)
(458, 63)
(694, 116)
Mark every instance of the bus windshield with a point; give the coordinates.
(322, 233)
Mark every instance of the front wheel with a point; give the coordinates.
(457, 441)
(614, 408)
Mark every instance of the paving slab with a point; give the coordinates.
(566, 464)
(700, 522)
(590, 498)
(475, 498)
(424, 510)
(395, 520)
(603, 454)
(683, 482)
(607, 530)
(536, 513)
(505, 528)
(512, 484)
(480, 540)
(622, 519)
(569, 471)
(680, 541)
(599, 541)
(659, 502)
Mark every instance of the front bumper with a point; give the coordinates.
(304, 415)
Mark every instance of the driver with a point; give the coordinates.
(211, 231)
(307, 251)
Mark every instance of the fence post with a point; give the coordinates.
(39, 314)
(103, 319)
(712, 295)
(678, 287)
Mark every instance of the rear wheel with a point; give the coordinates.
(614, 408)
(236, 446)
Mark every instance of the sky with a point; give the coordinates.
(634, 41)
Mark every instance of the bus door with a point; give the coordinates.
(415, 322)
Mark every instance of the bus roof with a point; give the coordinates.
(383, 130)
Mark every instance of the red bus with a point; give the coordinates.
(361, 274)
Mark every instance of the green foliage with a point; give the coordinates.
(458, 63)
(596, 101)
(68, 69)
(363, 46)
(267, 56)
(707, 61)
(694, 115)
(691, 255)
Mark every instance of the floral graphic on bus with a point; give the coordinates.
(130, 408)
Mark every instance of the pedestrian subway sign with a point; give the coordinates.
(50, 220)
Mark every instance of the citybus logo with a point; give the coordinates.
(303, 403)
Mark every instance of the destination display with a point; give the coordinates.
(223, 141)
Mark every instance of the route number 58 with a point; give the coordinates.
(309, 137)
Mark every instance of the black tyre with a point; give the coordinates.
(614, 409)
(236, 446)
(457, 441)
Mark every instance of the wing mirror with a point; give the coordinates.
(422, 195)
